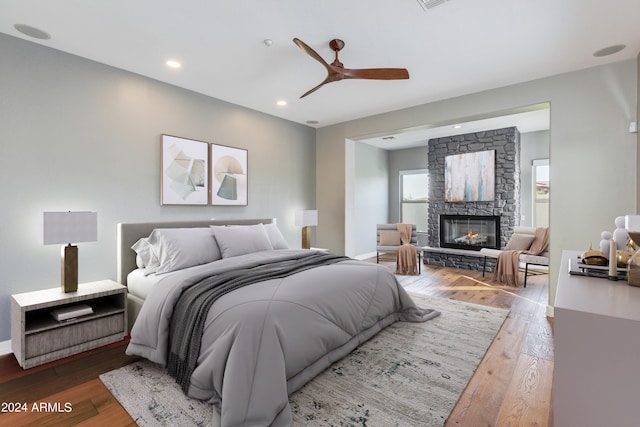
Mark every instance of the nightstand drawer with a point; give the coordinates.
(78, 333)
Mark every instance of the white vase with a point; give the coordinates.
(605, 242)
(620, 234)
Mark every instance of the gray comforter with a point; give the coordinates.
(265, 340)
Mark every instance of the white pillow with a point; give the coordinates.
(145, 255)
(179, 248)
(275, 237)
(235, 240)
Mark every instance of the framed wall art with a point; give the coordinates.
(470, 177)
(184, 165)
(229, 176)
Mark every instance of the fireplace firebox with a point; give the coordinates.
(471, 232)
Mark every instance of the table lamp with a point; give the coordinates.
(67, 228)
(306, 219)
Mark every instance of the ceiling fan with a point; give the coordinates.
(336, 71)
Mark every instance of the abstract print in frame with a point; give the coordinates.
(184, 167)
(229, 176)
(470, 177)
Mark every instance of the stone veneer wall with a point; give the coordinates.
(506, 143)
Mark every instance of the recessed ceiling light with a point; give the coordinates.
(609, 50)
(173, 64)
(457, 126)
(34, 32)
(267, 42)
(388, 138)
(281, 103)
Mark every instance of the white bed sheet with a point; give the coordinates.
(139, 284)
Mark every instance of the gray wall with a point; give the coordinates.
(533, 146)
(78, 135)
(399, 160)
(375, 182)
(592, 152)
(331, 190)
(370, 196)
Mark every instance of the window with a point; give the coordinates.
(414, 190)
(541, 193)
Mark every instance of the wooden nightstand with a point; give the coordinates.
(37, 338)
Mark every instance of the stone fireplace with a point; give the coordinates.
(505, 206)
(470, 232)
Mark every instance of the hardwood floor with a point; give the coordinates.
(511, 387)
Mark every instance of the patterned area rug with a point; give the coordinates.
(410, 374)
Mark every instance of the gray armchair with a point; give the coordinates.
(519, 241)
(388, 241)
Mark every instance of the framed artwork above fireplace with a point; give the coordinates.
(470, 177)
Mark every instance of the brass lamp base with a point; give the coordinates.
(306, 237)
(69, 268)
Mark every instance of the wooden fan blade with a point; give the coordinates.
(324, 82)
(313, 90)
(312, 53)
(375, 73)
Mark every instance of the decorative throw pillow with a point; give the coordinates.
(179, 248)
(390, 238)
(519, 242)
(275, 236)
(235, 240)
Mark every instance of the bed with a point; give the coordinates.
(253, 321)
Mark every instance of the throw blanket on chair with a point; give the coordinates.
(508, 263)
(407, 254)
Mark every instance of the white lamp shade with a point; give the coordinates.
(306, 218)
(632, 222)
(69, 227)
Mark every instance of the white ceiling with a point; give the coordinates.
(528, 121)
(458, 47)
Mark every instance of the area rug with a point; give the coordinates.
(410, 374)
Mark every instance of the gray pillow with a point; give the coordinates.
(179, 248)
(519, 242)
(275, 236)
(235, 240)
(389, 238)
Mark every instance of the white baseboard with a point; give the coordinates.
(5, 347)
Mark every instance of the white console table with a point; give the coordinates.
(596, 379)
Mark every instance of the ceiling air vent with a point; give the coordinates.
(428, 4)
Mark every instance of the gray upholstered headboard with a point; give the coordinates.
(128, 234)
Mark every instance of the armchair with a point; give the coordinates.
(520, 240)
(388, 241)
